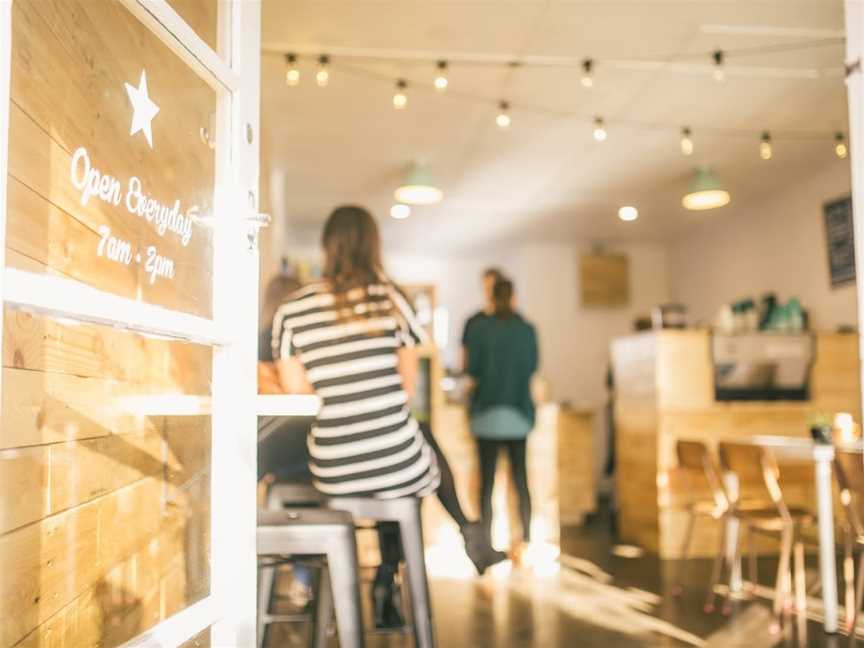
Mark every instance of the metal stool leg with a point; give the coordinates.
(345, 584)
(412, 544)
(323, 610)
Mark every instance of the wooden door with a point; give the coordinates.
(128, 196)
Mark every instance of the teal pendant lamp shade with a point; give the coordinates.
(419, 188)
(705, 192)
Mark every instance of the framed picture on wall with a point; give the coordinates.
(840, 239)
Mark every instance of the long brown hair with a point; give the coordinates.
(352, 255)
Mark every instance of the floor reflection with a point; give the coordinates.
(594, 598)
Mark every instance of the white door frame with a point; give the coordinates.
(855, 96)
(230, 608)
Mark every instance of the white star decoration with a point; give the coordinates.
(143, 108)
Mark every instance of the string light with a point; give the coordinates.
(292, 74)
(840, 148)
(765, 151)
(441, 81)
(588, 73)
(600, 133)
(400, 99)
(686, 141)
(719, 66)
(322, 76)
(503, 119)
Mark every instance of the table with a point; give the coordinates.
(273, 409)
(822, 455)
(287, 404)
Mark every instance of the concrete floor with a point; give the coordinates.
(593, 599)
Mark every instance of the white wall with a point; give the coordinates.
(574, 340)
(776, 245)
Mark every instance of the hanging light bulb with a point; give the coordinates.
(322, 76)
(686, 141)
(441, 78)
(600, 133)
(400, 99)
(840, 148)
(719, 66)
(588, 73)
(292, 74)
(503, 119)
(765, 151)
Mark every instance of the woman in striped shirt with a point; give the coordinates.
(352, 339)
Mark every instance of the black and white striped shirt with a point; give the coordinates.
(364, 441)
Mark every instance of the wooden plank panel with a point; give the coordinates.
(131, 518)
(41, 408)
(42, 344)
(44, 566)
(119, 604)
(40, 164)
(24, 487)
(188, 442)
(836, 379)
(83, 470)
(46, 234)
(76, 54)
(685, 372)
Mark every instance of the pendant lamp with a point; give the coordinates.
(705, 192)
(418, 188)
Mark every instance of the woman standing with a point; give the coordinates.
(502, 357)
(352, 339)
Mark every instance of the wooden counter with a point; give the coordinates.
(664, 392)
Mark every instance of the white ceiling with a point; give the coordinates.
(545, 177)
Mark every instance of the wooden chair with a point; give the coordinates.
(697, 464)
(849, 473)
(762, 509)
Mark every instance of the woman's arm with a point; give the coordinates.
(406, 365)
(293, 376)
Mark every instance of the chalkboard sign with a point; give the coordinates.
(839, 233)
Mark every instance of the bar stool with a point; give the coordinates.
(315, 532)
(406, 512)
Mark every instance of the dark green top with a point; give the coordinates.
(502, 357)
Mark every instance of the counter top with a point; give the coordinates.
(287, 405)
